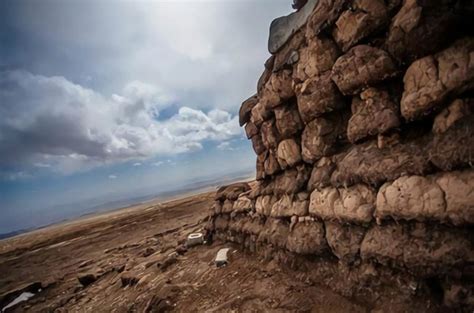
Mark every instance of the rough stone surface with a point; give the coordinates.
(455, 147)
(316, 58)
(246, 109)
(373, 113)
(297, 238)
(288, 121)
(320, 135)
(428, 81)
(354, 204)
(445, 197)
(458, 109)
(317, 96)
(364, 17)
(431, 23)
(420, 247)
(368, 164)
(344, 240)
(289, 153)
(361, 67)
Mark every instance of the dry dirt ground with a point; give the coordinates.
(123, 259)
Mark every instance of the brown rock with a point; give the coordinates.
(360, 67)
(274, 232)
(318, 95)
(289, 205)
(316, 58)
(270, 135)
(458, 109)
(428, 81)
(257, 144)
(307, 238)
(324, 15)
(246, 109)
(291, 181)
(271, 164)
(260, 170)
(221, 222)
(282, 57)
(354, 204)
(423, 248)
(228, 206)
(373, 113)
(442, 197)
(364, 17)
(128, 279)
(86, 279)
(243, 204)
(455, 147)
(282, 84)
(287, 121)
(259, 114)
(251, 130)
(321, 174)
(231, 191)
(423, 27)
(368, 164)
(289, 153)
(344, 240)
(320, 135)
(263, 204)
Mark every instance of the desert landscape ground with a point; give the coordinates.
(126, 253)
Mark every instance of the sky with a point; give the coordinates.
(111, 99)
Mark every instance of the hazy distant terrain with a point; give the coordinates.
(51, 215)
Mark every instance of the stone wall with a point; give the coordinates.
(363, 128)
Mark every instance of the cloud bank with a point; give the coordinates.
(50, 122)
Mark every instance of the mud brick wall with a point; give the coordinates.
(363, 128)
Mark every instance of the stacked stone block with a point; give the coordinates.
(363, 128)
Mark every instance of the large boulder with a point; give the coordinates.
(292, 180)
(316, 58)
(372, 114)
(324, 16)
(287, 121)
(458, 109)
(289, 153)
(363, 18)
(423, 27)
(307, 238)
(231, 191)
(353, 204)
(361, 67)
(320, 135)
(318, 95)
(455, 147)
(430, 80)
(251, 130)
(274, 232)
(246, 109)
(444, 197)
(290, 205)
(371, 165)
(321, 174)
(257, 144)
(423, 248)
(270, 135)
(263, 204)
(344, 240)
(271, 165)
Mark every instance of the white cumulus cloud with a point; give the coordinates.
(50, 120)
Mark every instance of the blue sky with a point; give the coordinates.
(107, 99)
